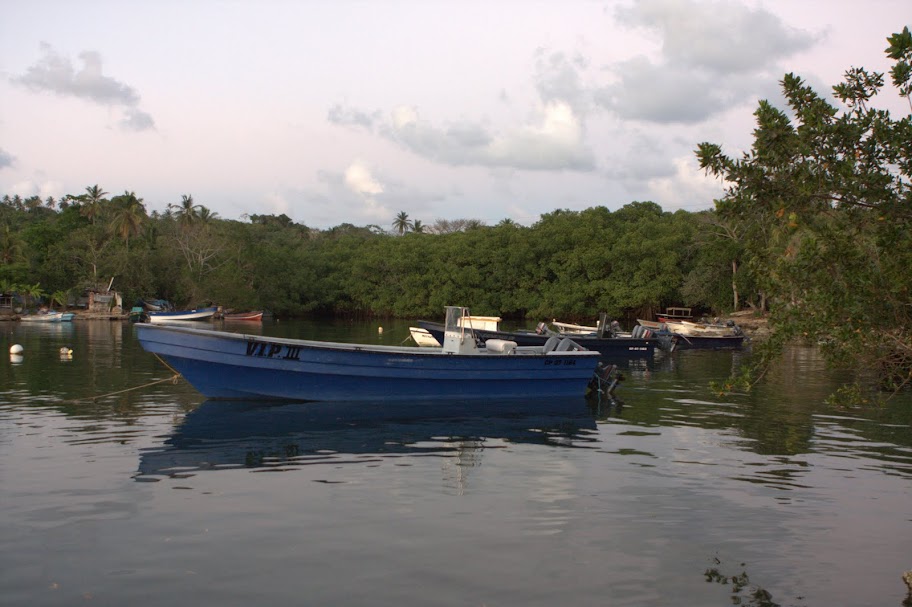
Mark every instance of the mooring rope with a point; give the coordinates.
(173, 379)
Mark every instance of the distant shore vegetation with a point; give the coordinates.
(568, 264)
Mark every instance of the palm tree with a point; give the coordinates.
(92, 202)
(417, 227)
(31, 292)
(402, 224)
(60, 298)
(129, 215)
(186, 212)
(204, 215)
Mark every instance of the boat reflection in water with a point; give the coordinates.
(239, 434)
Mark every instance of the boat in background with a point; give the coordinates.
(693, 335)
(424, 339)
(48, 317)
(155, 305)
(243, 316)
(603, 341)
(181, 315)
(225, 365)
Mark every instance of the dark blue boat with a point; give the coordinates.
(607, 346)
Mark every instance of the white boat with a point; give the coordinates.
(423, 337)
(566, 327)
(48, 317)
(180, 315)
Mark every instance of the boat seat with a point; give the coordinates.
(550, 344)
(568, 345)
(500, 346)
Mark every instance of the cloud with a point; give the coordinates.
(643, 159)
(714, 55)
(688, 188)
(725, 37)
(358, 178)
(665, 94)
(54, 73)
(348, 116)
(136, 120)
(43, 189)
(558, 80)
(6, 159)
(553, 140)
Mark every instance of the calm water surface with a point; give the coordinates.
(151, 496)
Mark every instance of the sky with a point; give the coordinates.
(340, 111)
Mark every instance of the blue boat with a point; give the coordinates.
(223, 365)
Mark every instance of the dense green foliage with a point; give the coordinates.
(569, 264)
(824, 200)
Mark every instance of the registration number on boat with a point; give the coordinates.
(267, 350)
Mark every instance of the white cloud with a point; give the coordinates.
(54, 73)
(687, 189)
(714, 56)
(358, 178)
(725, 37)
(553, 140)
(42, 189)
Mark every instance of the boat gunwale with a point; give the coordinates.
(521, 351)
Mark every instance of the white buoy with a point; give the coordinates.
(16, 359)
(16, 349)
(380, 330)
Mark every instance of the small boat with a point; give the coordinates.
(155, 305)
(691, 335)
(224, 365)
(243, 316)
(197, 314)
(485, 323)
(48, 317)
(423, 338)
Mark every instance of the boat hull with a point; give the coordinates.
(608, 347)
(244, 317)
(200, 314)
(233, 366)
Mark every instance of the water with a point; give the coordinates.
(152, 496)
